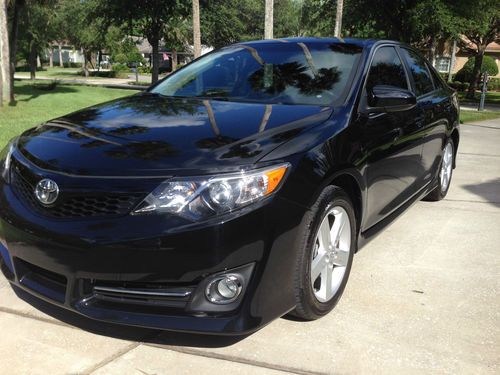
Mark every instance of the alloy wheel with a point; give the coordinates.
(330, 254)
(446, 167)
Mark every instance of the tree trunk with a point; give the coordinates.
(196, 29)
(85, 62)
(268, 20)
(5, 75)
(453, 59)
(61, 64)
(32, 60)
(174, 60)
(432, 52)
(338, 19)
(51, 57)
(18, 6)
(476, 72)
(154, 73)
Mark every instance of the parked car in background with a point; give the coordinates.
(234, 191)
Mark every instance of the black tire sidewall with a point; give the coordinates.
(308, 306)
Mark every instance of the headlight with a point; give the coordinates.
(5, 160)
(201, 197)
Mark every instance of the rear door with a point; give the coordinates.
(433, 103)
(391, 142)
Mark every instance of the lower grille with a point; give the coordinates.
(77, 205)
(143, 294)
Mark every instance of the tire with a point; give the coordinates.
(314, 299)
(445, 173)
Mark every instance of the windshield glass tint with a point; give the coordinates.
(288, 73)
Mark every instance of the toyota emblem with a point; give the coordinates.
(47, 191)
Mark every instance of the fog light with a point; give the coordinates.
(224, 289)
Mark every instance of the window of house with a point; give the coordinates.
(443, 64)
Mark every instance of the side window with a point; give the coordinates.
(419, 71)
(438, 81)
(386, 69)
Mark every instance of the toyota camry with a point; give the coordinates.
(234, 191)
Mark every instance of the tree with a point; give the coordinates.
(338, 18)
(17, 7)
(85, 29)
(178, 36)
(196, 29)
(222, 23)
(287, 18)
(488, 66)
(317, 17)
(268, 21)
(479, 22)
(33, 36)
(148, 18)
(5, 77)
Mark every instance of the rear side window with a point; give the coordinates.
(420, 73)
(438, 81)
(387, 69)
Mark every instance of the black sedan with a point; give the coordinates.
(234, 191)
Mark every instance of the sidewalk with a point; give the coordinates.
(122, 83)
(471, 106)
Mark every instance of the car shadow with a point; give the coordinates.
(129, 333)
(489, 190)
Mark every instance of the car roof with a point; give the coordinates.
(363, 43)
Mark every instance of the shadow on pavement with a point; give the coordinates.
(489, 190)
(123, 332)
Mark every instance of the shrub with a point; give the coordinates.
(120, 67)
(119, 58)
(144, 69)
(493, 84)
(72, 64)
(489, 66)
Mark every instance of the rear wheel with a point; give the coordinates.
(325, 260)
(445, 173)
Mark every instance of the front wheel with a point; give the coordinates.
(326, 255)
(445, 174)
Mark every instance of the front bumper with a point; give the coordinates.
(62, 262)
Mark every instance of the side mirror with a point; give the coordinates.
(382, 98)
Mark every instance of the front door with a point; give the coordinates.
(392, 142)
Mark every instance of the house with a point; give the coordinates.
(166, 55)
(443, 60)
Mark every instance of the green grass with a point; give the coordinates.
(35, 104)
(54, 72)
(492, 97)
(473, 116)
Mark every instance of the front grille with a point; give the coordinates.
(77, 205)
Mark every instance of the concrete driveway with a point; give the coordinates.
(424, 297)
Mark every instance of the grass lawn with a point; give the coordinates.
(55, 72)
(471, 116)
(492, 97)
(34, 105)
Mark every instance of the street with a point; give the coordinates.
(423, 297)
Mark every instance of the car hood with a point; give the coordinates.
(148, 134)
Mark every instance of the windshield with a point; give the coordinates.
(287, 73)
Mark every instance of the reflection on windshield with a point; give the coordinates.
(289, 73)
